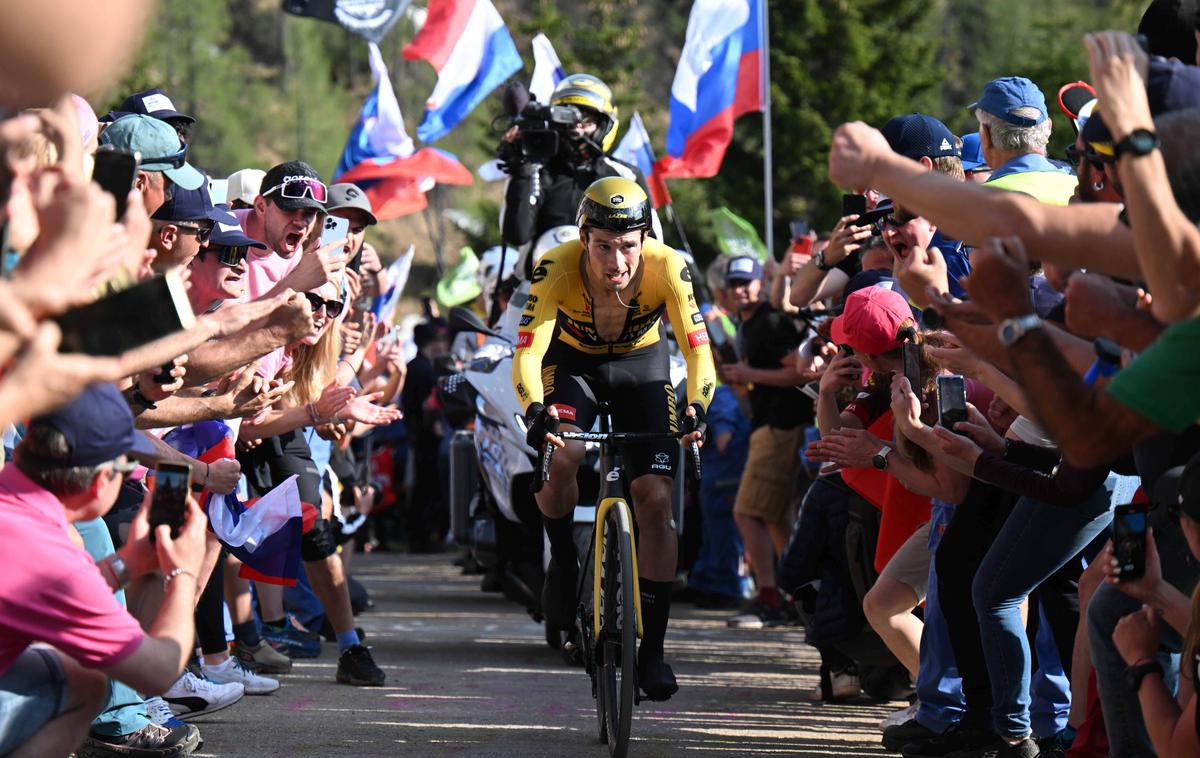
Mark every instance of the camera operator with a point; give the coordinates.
(552, 154)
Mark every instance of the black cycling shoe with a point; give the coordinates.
(357, 667)
(558, 597)
(656, 679)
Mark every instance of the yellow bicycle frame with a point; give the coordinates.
(602, 510)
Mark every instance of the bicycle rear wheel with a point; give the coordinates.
(618, 631)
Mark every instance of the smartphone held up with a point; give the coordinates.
(169, 494)
(1129, 540)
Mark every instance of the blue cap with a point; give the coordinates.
(1002, 96)
(227, 231)
(157, 144)
(153, 102)
(972, 152)
(743, 269)
(917, 135)
(98, 426)
(188, 205)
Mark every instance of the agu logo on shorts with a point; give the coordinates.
(662, 462)
(525, 339)
(695, 339)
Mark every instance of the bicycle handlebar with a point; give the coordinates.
(612, 438)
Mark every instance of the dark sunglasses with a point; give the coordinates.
(1075, 155)
(229, 255)
(202, 232)
(897, 219)
(298, 189)
(333, 308)
(175, 160)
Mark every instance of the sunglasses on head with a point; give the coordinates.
(175, 160)
(202, 232)
(229, 255)
(298, 189)
(333, 308)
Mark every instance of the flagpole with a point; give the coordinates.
(768, 158)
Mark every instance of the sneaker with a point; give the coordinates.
(232, 670)
(1057, 745)
(262, 658)
(999, 748)
(160, 713)
(558, 597)
(291, 641)
(896, 736)
(357, 667)
(902, 716)
(842, 685)
(193, 696)
(656, 679)
(151, 741)
(757, 615)
(956, 739)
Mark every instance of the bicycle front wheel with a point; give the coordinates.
(618, 630)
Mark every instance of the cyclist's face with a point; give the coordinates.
(613, 257)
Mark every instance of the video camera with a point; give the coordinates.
(540, 127)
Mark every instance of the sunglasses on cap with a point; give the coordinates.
(333, 308)
(175, 160)
(229, 255)
(298, 189)
(202, 232)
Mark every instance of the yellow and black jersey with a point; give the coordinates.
(560, 308)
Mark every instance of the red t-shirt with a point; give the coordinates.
(50, 589)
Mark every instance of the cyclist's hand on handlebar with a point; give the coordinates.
(694, 425)
(542, 425)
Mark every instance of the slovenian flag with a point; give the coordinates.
(547, 69)
(263, 533)
(468, 44)
(380, 157)
(719, 78)
(635, 149)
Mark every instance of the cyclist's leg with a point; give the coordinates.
(576, 406)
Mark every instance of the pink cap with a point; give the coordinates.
(871, 321)
(88, 125)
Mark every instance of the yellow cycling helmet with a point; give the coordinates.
(616, 204)
(586, 91)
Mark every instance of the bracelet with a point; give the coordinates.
(206, 470)
(174, 573)
(112, 566)
(312, 414)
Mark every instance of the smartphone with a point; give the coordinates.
(336, 228)
(912, 367)
(130, 318)
(115, 172)
(952, 400)
(168, 500)
(854, 205)
(1129, 540)
(798, 228)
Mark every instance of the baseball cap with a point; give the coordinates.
(98, 427)
(153, 102)
(917, 135)
(158, 145)
(293, 171)
(244, 185)
(972, 152)
(1073, 101)
(348, 196)
(1172, 86)
(871, 320)
(743, 269)
(227, 231)
(188, 205)
(1003, 96)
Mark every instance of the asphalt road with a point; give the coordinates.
(469, 674)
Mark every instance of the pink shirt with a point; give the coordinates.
(50, 589)
(264, 268)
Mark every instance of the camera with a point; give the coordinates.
(540, 131)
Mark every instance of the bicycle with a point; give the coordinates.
(610, 652)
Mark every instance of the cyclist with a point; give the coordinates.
(591, 331)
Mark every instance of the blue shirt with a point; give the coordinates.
(725, 415)
(957, 262)
(1027, 162)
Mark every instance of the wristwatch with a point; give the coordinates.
(1135, 674)
(1013, 329)
(120, 572)
(819, 261)
(880, 461)
(1137, 143)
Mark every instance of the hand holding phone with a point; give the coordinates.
(336, 229)
(854, 205)
(168, 503)
(115, 171)
(952, 401)
(1129, 541)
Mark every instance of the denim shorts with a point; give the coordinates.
(32, 692)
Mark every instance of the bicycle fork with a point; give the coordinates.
(623, 514)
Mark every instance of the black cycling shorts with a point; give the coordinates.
(637, 386)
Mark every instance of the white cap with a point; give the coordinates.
(244, 185)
